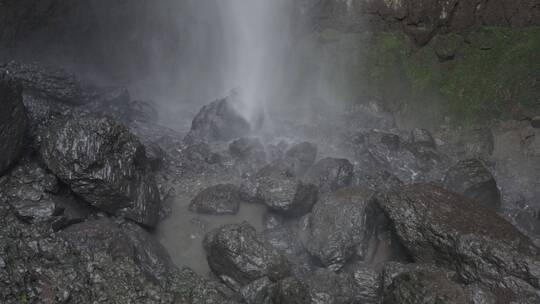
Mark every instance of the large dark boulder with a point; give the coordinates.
(13, 122)
(284, 193)
(427, 285)
(410, 162)
(36, 196)
(51, 83)
(328, 287)
(472, 179)
(287, 291)
(337, 227)
(291, 291)
(94, 261)
(218, 121)
(218, 199)
(449, 230)
(104, 164)
(236, 252)
(194, 289)
(330, 174)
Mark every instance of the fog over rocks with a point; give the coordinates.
(244, 178)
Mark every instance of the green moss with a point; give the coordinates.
(495, 74)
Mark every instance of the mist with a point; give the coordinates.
(269, 151)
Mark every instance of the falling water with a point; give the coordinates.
(256, 33)
(239, 48)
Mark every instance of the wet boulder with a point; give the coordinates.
(287, 291)
(300, 157)
(36, 197)
(258, 292)
(410, 162)
(218, 199)
(330, 174)
(109, 101)
(236, 252)
(13, 122)
(368, 285)
(218, 121)
(94, 261)
(427, 285)
(447, 229)
(56, 84)
(249, 154)
(467, 144)
(377, 180)
(284, 193)
(291, 291)
(194, 289)
(328, 287)
(200, 152)
(472, 179)
(124, 240)
(336, 228)
(105, 164)
(42, 112)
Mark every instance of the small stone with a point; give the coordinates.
(218, 199)
(535, 122)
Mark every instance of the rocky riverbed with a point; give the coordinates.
(99, 203)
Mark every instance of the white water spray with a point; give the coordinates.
(256, 35)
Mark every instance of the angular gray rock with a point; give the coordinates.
(51, 83)
(472, 179)
(218, 121)
(105, 164)
(283, 193)
(426, 286)
(410, 162)
(218, 199)
(236, 252)
(37, 197)
(336, 230)
(13, 122)
(290, 290)
(447, 229)
(95, 261)
(329, 174)
(328, 287)
(258, 292)
(194, 289)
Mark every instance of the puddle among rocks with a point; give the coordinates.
(182, 233)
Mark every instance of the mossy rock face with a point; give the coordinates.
(467, 79)
(447, 46)
(494, 75)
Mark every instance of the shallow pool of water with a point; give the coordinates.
(182, 233)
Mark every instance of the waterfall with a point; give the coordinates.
(248, 40)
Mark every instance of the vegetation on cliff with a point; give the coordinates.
(468, 78)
